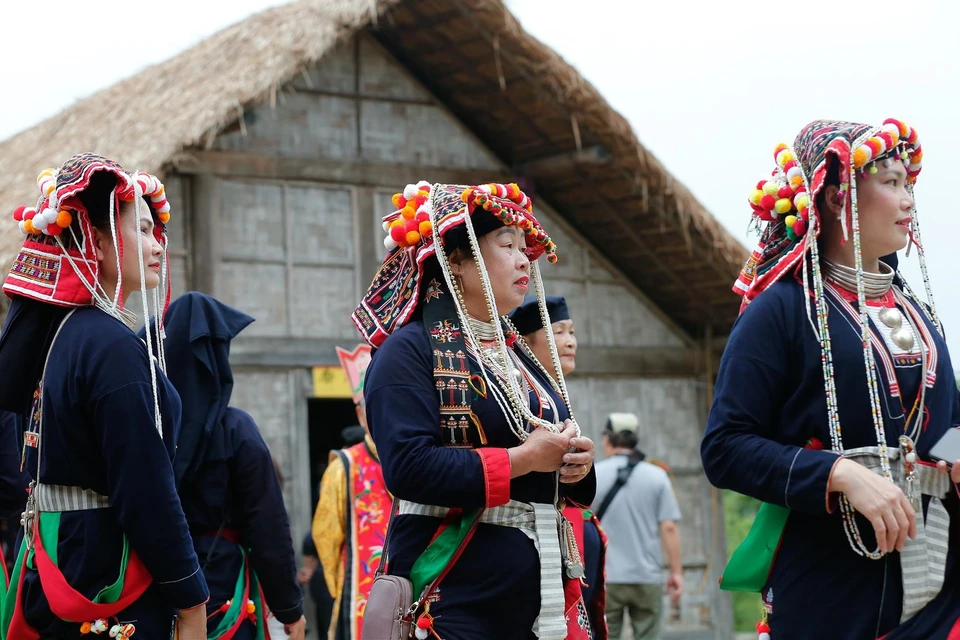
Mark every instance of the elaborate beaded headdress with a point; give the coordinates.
(427, 218)
(58, 262)
(785, 207)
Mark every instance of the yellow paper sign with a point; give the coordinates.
(330, 382)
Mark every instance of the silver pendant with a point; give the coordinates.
(891, 317)
(903, 337)
(573, 570)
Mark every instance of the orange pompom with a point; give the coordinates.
(85, 628)
(859, 157)
(251, 608)
(64, 219)
(409, 212)
(396, 200)
(412, 237)
(164, 217)
(425, 229)
(28, 227)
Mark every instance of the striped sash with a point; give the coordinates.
(540, 523)
(56, 497)
(923, 559)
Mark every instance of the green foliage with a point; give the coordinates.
(738, 514)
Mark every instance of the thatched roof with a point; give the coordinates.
(518, 96)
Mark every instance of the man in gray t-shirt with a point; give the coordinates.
(639, 521)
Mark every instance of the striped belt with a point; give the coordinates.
(923, 559)
(58, 497)
(540, 523)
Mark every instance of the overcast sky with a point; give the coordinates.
(709, 87)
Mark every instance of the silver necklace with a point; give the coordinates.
(875, 285)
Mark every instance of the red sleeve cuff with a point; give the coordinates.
(496, 475)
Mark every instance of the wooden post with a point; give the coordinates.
(205, 232)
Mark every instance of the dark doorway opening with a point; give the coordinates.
(326, 419)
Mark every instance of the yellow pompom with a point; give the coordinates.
(770, 188)
(783, 205)
(412, 237)
(50, 187)
(790, 221)
(64, 219)
(780, 147)
(796, 181)
(802, 201)
(424, 193)
(465, 195)
(409, 211)
(784, 157)
(756, 196)
(396, 200)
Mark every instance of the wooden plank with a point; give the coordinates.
(286, 352)
(235, 164)
(639, 362)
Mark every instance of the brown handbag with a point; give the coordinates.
(391, 610)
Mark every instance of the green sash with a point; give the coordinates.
(750, 565)
(238, 604)
(439, 553)
(50, 536)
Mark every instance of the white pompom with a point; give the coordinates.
(422, 634)
(22, 230)
(794, 172)
(423, 184)
(410, 191)
(386, 225)
(764, 636)
(486, 188)
(389, 243)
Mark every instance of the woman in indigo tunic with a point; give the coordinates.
(106, 549)
(835, 384)
(228, 485)
(465, 418)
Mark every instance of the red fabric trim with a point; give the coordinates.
(955, 631)
(19, 628)
(496, 475)
(230, 535)
(69, 604)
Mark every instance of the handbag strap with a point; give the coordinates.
(623, 474)
(384, 557)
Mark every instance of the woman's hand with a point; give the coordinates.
(879, 501)
(542, 451)
(192, 624)
(296, 630)
(577, 464)
(954, 471)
